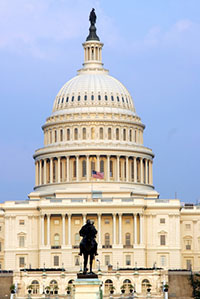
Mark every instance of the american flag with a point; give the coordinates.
(97, 174)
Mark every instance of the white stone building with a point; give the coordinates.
(94, 126)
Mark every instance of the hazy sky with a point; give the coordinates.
(152, 46)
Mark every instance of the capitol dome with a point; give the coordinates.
(93, 129)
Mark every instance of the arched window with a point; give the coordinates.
(127, 284)
(135, 135)
(77, 239)
(102, 166)
(83, 168)
(108, 285)
(92, 133)
(50, 136)
(56, 239)
(101, 133)
(117, 134)
(35, 287)
(145, 284)
(55, 136)
(130, 135)
(53, 285)
(92, 166)
(109, 134)
(132, 170)
(124, 170)
(128, 239)
(74, 168)
(68, 134)
(61, 135)
(138, 169)
(55, 163)
(107, 240)
(111, 168)
(124, 134)
(84, 133)
(75, 134)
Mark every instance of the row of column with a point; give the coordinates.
(61, 169)
(136, 240)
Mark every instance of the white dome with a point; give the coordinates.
(93, 89)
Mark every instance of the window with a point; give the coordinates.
(117, 134)
(56, 222)
(111, 168)
(117, 99)
(74, 169)
(72, 98)
(106, 97)
(79, 98)
(187, 226)
(145, 284)
(50, 136)
(61, 135)
(163, 261)
(128, 260)
(77, 262)
(108, 285)
(109, 134)
(21, 241)
(128, 239)
(107, 239)
(0, 228)
(124, 134)
(112, 98)
(75, 134)
(56, 260)
(107, 221)
(56, 239)
(101, 133)
(68, 134)
(99, 97)
(84, 133)
(127, 221)
(21, 261)
(162, 220)
(92, 166)
(85, 97)
(77, 221)
(55, 136)
(77, 239)
(122, 99)
(188, 264)
(35, 287)
(67, 99)
(0, 266)
(21, 222)
(102, 166)
(0, 247)
(162, 240)
(188, 244)
(130, 135)
(132, 170)
(92, 97)
(83, 168)
(127, 284)
(53, 283)
(92, 133)
(107, 260)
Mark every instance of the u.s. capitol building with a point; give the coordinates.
(94, 128)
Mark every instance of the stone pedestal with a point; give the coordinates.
(87, 288)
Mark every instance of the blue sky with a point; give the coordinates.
(153, 47)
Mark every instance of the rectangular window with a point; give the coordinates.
(21, 241)
(188, 244)
(162, 220)
(77, 262)
(127, 221)
(56, 260)
(77, 222)
(128, 260)
(0, 266)
(162, 240)
(163, 261)
(21, 222)
(21, 261)
(0, 247)
(187, 226)
(107, 260)
(0, 228)
(107, 221)
(188, 264)
(56, 222)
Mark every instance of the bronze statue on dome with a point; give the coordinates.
(92, 17)
(88, 245)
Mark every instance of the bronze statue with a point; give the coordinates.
(88, 245)
(92, 17)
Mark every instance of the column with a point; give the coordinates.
(141, 171)
(36, 174)
(135, 169)
(77, 168)
(40, 175)
(127, 170)
(67, 168)
(117, 168)
(63, 229)
(99, 230)
(87, 169)
(135, 228)
(69, 229)
(120, 229)
(114, 229)
(48, 230)
(58, 169)
(151, 172)
(141, 229)
(146, 172)
(42, 230)
(45, 171)
(98, 164)
(51, 170)
(84, 219)
(108, 168)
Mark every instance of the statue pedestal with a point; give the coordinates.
(87, 288)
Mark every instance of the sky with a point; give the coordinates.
(152, 47)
